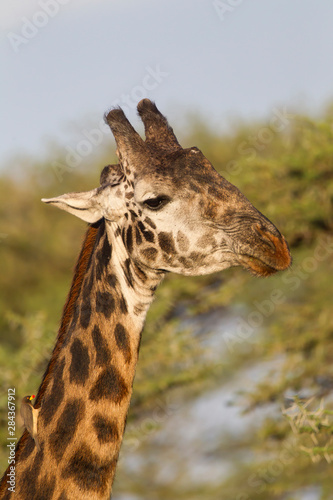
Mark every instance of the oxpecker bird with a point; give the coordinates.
(30, 417)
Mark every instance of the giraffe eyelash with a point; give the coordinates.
(156, 203)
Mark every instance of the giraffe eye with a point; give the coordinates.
(156, 203)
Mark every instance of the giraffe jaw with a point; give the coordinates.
(256, 266)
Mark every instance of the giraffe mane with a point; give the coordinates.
(79, 273)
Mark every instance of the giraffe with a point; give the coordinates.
(161, 209)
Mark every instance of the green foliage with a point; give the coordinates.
(287, 174)
(316, 424)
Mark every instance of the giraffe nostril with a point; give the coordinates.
(266, 237)
(277, 245)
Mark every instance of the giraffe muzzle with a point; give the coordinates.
(272, 256)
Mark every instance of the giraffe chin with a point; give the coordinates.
(256, 266)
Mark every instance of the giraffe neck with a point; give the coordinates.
(86, 392)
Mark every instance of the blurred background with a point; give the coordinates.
(233, 393)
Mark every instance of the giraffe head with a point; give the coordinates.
(172, 209)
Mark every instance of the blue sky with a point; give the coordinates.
(67, 61)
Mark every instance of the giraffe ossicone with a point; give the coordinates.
(161, 209)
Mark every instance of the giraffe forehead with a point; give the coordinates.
(187, 173)
(185, 182)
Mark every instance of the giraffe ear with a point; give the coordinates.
(90, 206)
